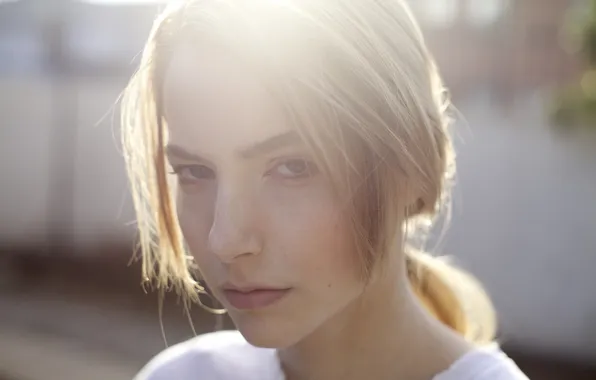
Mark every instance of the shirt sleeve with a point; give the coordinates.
(213, 356)
(180, 362)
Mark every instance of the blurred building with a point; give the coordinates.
(68, 35)
(504, 46)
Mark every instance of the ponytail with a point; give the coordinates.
(453, 296)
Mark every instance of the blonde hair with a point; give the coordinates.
(357, 81)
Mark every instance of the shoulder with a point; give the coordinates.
(486, 363)
(220, 355)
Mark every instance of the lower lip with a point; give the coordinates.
(255, 299)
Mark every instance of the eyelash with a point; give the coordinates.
(178, 170)
(309, 169)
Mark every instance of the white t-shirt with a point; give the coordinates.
(226, 355)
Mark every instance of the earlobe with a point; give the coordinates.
(415, 208)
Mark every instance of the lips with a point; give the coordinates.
(250, 299)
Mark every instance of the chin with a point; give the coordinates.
(266, 332)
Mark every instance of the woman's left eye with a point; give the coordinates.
(294, 168)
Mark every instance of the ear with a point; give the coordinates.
(413, 199)
(415, 208)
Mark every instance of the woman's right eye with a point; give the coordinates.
(189, 174)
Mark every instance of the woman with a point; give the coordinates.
(292, 148)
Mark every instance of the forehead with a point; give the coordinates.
(210, 97)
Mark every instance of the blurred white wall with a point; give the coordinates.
(525, 222)
(103, 207)
(25, 109)
(101, 211)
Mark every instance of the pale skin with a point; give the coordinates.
(255, 210)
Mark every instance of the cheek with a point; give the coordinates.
(195, 215)
(305, 232)
(310, 228)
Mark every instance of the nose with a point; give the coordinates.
(234, 229)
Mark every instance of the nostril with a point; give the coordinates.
(229, 243)
(233, 232)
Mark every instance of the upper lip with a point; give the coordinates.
(249, 288)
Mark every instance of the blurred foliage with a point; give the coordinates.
(576, 105)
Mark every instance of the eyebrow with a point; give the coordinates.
(270, 144)
(181, 153)
(253, 150)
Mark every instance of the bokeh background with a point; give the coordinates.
(524, 218)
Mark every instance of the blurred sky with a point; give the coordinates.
(116, 2)
(441, 10)
(437, 12)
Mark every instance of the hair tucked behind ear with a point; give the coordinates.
(357, 81)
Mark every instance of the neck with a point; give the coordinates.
(384, 334)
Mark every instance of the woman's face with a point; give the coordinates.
(259, 217)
